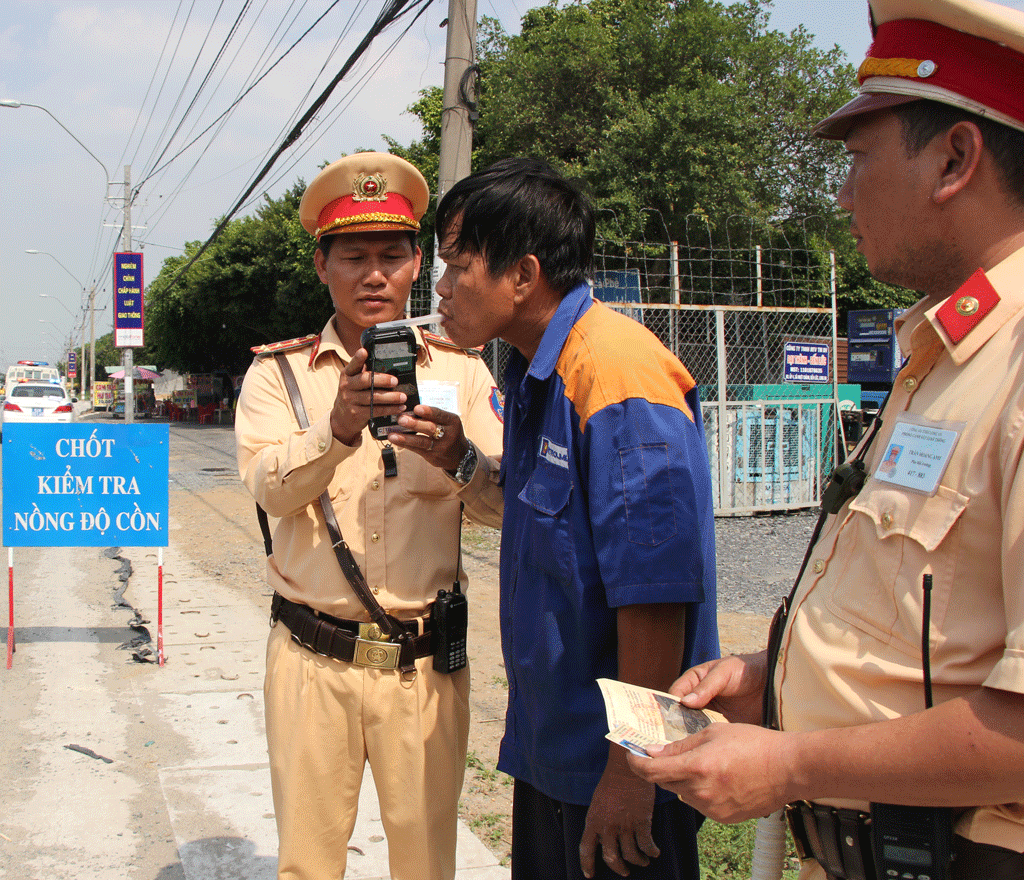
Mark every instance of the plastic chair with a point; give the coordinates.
(206, 413)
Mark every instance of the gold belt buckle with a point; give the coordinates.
(374, 649)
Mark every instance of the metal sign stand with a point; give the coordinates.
(10, 606)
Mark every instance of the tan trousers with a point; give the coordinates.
(325, 719)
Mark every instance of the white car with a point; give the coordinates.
(37, 402)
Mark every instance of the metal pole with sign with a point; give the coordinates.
(128, 319)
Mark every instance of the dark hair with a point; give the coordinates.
(325, 242)
(518, 207)
(923, 120)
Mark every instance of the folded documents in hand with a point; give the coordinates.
(639, 717)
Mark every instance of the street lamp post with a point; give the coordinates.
(9, 102)
(71, 340)
(14, 105)
(92, 295)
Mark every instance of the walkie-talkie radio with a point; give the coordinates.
(911, 841)
(392, 350)
(449, 623)
(914, 841)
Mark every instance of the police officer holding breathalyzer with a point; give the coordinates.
(362, 663)
(895, 684)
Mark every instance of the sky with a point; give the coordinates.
(116, 76)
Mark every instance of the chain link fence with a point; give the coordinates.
(750, 310)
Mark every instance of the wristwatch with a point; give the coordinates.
(464, 472)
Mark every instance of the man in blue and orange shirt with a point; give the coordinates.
(607, 553)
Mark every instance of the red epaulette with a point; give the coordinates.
(286, 345)
(445, 342)
(966, 308)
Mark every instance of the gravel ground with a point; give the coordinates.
(758, 558)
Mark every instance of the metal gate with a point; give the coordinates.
(771, 442)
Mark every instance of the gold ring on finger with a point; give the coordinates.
(439, 432)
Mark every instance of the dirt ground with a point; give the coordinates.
(486, 804)
(225, 540)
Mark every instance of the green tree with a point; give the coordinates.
(255, 284)
(691, 108)
(425, 154)
(106, 356)
(685, 107)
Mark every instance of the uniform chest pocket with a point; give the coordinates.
(925, 520)
(909, 534)
(422, 480)
(547, 531)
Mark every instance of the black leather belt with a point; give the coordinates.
(837, 839)
(840, 841)
(347, 640)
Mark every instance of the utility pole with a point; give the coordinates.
(128, 360)
(81, 363)
(92, 341)
(456, 119)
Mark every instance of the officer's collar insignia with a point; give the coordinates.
(445, 342)
(287, 345)
(966, 308)
(370, 188)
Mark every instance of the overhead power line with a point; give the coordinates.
(392, 11)
(246, 92)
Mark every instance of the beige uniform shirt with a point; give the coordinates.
(851, 653)
(404, 530)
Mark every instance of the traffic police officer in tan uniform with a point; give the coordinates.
(913, 590)
(334, 697)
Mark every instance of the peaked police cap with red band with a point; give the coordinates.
(967, 53)
(365, 192)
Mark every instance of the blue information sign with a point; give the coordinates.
(83, 485)
(128, 300)
(617, 285)
(72, 364)
(805, 362)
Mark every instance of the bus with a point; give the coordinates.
(32, 371)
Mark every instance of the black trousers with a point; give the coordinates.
(546, 838)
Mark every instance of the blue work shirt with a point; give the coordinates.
(608, 503)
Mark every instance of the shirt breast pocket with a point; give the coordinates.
(909, 534)
(420, 479)
(548, 532)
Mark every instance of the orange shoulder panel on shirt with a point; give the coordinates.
(609, 358)
(966, 308)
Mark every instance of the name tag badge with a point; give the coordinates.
(440, 395)
(918, 454)
(553, 453)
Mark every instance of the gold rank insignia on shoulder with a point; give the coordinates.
(285, 345)
(370, 188)
(445, 342)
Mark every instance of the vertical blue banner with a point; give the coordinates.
(82, 485)
(128, 300)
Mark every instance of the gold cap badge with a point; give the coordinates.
(370, 188)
